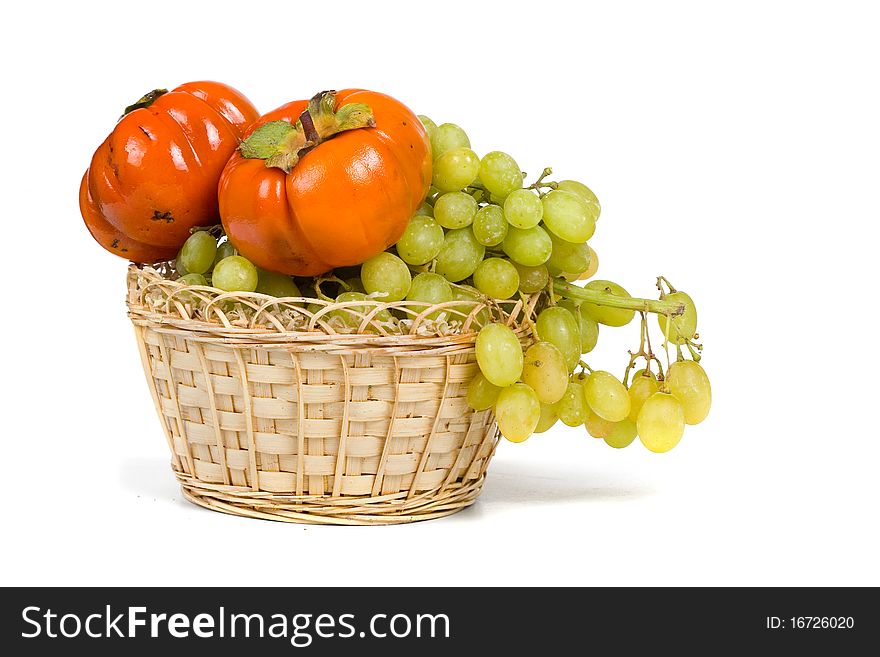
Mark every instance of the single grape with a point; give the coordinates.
(530, 247)
(455, 169)
(598, 427)
(386, 276)
(471, 294)
(604, 314)
(581, 190)
(622, 434)
(499, 354)
(567, 257)
(421, 241)
(496, 278)
(455, 210)
(689, 384)
(197, 253)
(426, 209)
(235, 274)
(572, 407)
(446, 137)
(544, 370)
(588, 329)
(640, 389)
(606, 396)
(490, 227)
(500, 173)
(459, 255)
(517, 412)
(592, 269)
(224, 250)
(481, 395)
(661, 422)
(532, 279)
(558, 326)
(644, 372)
(192, 279)
(684, 326)
(178, 266)
(568, 216)
(276, 285)
(523, 209)
(430, 126)
(547, 420)
(430, 289)
(354, 315)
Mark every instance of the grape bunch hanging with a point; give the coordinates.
(481, 234)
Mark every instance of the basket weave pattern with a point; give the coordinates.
(286, 425)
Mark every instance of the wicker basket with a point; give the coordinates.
(324, 415)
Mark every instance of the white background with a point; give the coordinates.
(736, 151)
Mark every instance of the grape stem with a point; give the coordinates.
(668, 308)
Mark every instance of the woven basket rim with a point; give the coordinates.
(266, 319)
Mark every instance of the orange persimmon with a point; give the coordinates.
(325, 183)
(156, 175)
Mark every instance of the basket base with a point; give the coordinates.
(317, 510)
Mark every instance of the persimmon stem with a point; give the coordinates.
(145, 101)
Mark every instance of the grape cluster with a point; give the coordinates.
(482, 227)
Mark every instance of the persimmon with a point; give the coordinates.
(156, 174)
(325, 183)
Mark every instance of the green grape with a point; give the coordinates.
(455, 169)
(481, 395)
(622, 434)
(471, 294)
(224, 250)
(661, 422)
(455, 210)
(490, 227)
(235, 274)
(598, 427)
(689, 384)
(568, 216)
(433, 195)
(532, 279)
(604, 314)
(500, 173)
(544, 370)
(197, 253)
(517, 412)
(588, 329)
(178, 266)
(192, 279)
(421, 241)
(644, 372)
(430, 126)
(684, 326)
(558, 326)
(496, 278)
(386, 276)
(523, 209)
(530, 247)
(568, 257)
(581, 190)
(446, 137)
(547, 420)
(607, 397)
(572, 408)
(459, 255)
(640, 389)
(430, 289)
(499, 354)
(426, 209)
(275, 285)
(354, 315)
